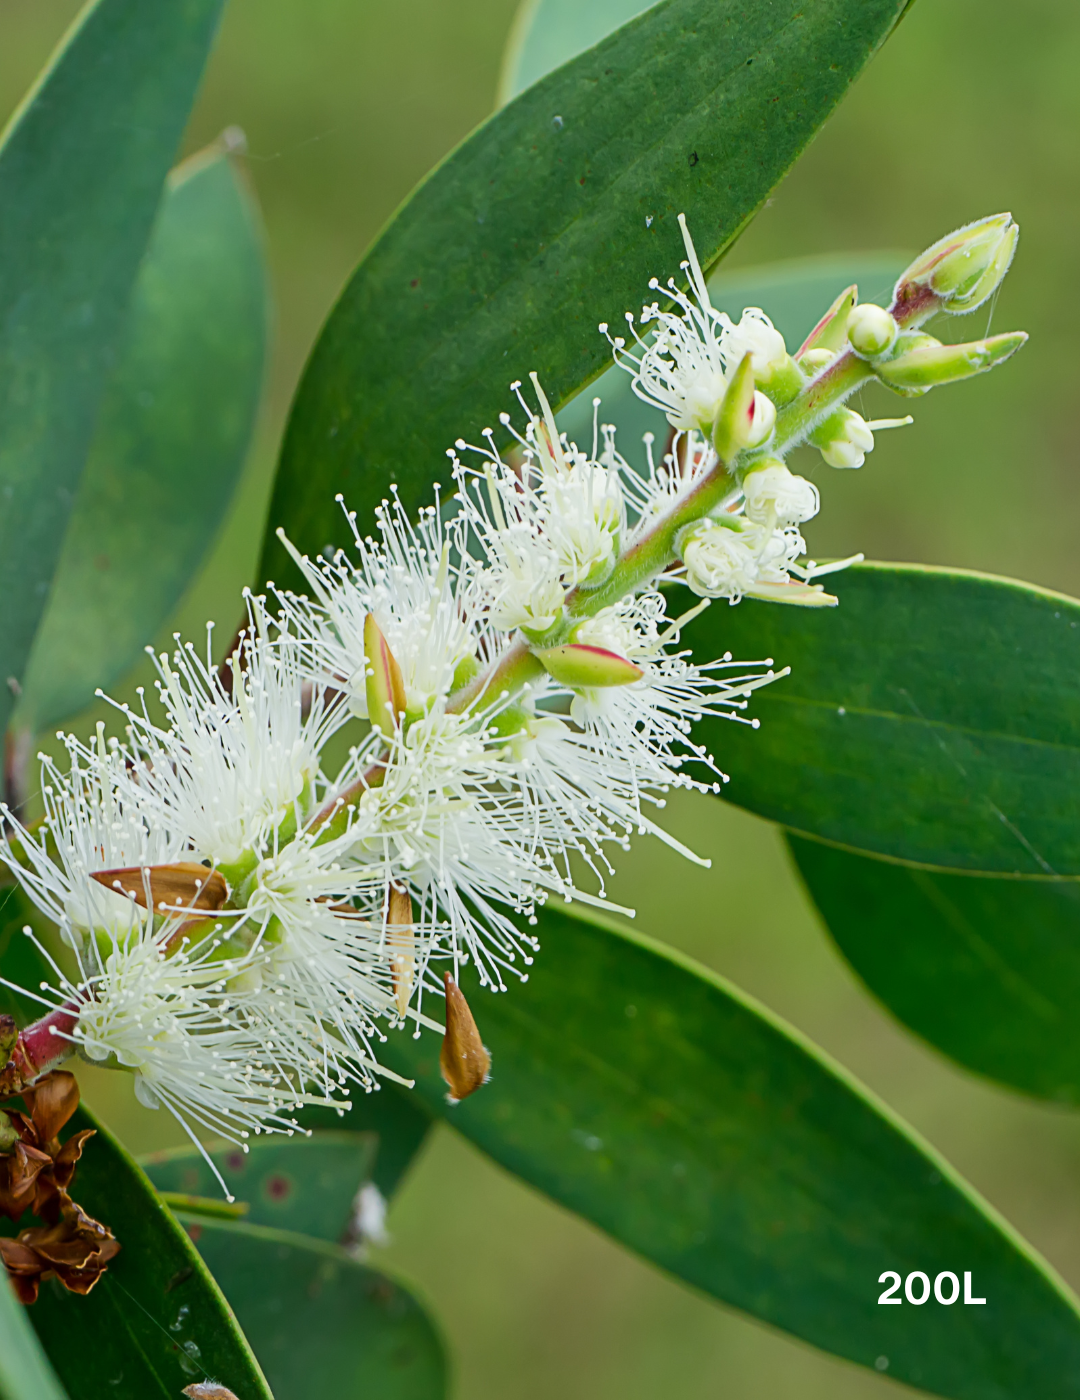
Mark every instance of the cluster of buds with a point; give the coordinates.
(243, 927)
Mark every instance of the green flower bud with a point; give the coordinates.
(872, 331)
(813, 361)
(385, 686)
(930, 365)
(830, 333)
(745, 418)
(587, 667)
(962, 269)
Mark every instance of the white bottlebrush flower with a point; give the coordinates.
(685, 369)
(845, 437)
(418, 583)
(733, 558)
(667, 483)
(548, 521)
(775, 497)
(240, 755)
(237, 773)
(87, 827)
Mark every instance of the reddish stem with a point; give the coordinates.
(39, 1049)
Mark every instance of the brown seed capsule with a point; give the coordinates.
(173, 889)
(464, 1060)
(399, 936)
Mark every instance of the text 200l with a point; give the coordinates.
(917, 1290)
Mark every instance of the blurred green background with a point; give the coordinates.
(972, 107)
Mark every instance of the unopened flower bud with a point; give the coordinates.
(719, 562)
(830, 333)
(385, 685)
(813, 361)
(464, 1060)
(734, 424)
(871, 330)
(400, 926)
(843, 439)
(776, 497)
(962, 269)
(587, 666)
(929, 365)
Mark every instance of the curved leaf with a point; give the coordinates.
(550, 218)
(986, 970)
(321, 1323)
(155, 1321)
(24, 1368)
(931, 717)
(81, 171)
(654, 1099)
(306, 1185)
(170, 444)
(548, 33)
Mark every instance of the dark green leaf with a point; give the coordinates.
(548, 33)
(794, 293)
(306, 1185)
(155, 1321)
(395, 1116)
(931, 717)
(987, 970)
(81, 171)
(550, 218)
(25, 1373)
(170, 444)
(652, 1098)
(321, 1323)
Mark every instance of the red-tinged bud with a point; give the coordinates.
(734, 426)
(385, 684)
(586, 667)
(464, 1060)
(959, 272)
(830, 333)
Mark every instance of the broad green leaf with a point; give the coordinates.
(397, 1119)
(170, 444)
(81, 170)
(321, 1323)
(987, 970)
(155, 1322)
(24, 1369)
(931, 717)
(657, 1101)
(306, 1185)
(548, 33)
(552, 217)
(794, 293)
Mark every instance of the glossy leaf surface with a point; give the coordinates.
(321, 1323)
(651, 1097)
(932, 717)
(306, 1185)
(24, 1368)
(551, 218)
(987, 970)
(170, 444)
(156, 1321)
(81, 172)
